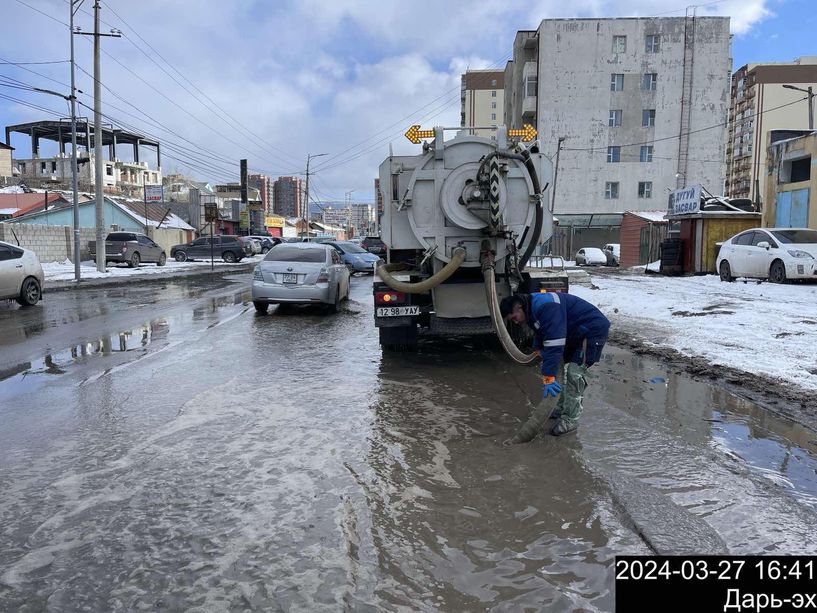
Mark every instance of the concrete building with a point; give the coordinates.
(761, 103)
(264, 186)
(5, 160)
(630, 97)
(120, 176)
(482, 100)
(791, 181)
(363, 219)
(287, 196)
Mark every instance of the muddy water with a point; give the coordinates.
(212, 459)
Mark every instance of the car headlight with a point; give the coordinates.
(256, 274)
(796, 253)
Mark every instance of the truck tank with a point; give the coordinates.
(458, 207)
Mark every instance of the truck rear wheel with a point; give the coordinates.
(401, 338)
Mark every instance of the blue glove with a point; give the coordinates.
(551, 389)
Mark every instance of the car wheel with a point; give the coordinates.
(30, 292)
(228, 256)
(333, 308)
(162, 260)
(261, 307)
(265, 250)
(134, 261)
(725, 272)
(777, 273)
(181, 256)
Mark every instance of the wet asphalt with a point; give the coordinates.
(163, 447)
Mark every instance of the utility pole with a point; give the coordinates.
(306, 189)
(74, 171)
(98, 163)
(810, 91)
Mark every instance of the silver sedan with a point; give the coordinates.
(21, 276)
(300, 273)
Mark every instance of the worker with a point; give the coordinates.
(569, 330)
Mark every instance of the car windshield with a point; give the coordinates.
(373, 241)
(797, 237)
(283, 253)
(351, 248)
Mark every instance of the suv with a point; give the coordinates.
(267, 242)
(373, 244)
(612, 251)
(131, 248)
(226, 247)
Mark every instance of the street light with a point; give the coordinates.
(309, 158)
(810, 93)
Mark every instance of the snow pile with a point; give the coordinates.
(764, 328)
(64, 271)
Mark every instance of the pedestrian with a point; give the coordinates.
(569, 333)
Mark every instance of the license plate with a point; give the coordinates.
(398, 311)
(290, 277)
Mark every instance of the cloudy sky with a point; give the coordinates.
(274, 80)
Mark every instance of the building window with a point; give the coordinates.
(653, 43)
(616, 82)
(648, 118)
(53, 167)
(645, 189)
(22, 167)
(493, 82)
(611, 190)
(109, 170)
(646, 153)
(613, 154)
(493, 94)
(493, 105)
(649, 81)
(619, 44)
(42, 166)
(530, 86)
(493, 116)
(615, 118)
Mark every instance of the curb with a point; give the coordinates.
(62, 286)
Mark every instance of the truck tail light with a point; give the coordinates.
(389, 297)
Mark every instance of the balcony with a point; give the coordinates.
(528, 108)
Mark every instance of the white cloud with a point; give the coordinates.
(310, 76)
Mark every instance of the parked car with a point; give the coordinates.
(612, 251)
(130, 248)
(267, 242)
(356, 258)
(373, 244)
(300, 273)
(777, 254)
(226, 247)
(21, 275)
(251, 246)
(590, 256)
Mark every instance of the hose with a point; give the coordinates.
(421, 287)
(493, 304)
(539, 211)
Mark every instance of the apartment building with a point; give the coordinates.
(287, 196)
(263, 184)
(482, 100)
(635, 101)
(764, 98)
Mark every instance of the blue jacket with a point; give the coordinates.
(560, 319)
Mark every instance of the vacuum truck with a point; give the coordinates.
(461, 220)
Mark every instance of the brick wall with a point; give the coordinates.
(50, 243)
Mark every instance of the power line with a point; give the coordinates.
(35, 63)
(51, 17)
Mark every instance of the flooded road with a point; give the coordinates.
(166, 448)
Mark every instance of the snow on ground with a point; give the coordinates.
(64, 271)
(764, 328)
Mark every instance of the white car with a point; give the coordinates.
(21, 276)
(590, 256)
(776, 254)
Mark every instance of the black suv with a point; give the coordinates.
(373, 244)
(228, 248)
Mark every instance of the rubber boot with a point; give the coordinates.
(536, 420)
(572, 392)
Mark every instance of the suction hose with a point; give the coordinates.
(384, 272)
(493, 304)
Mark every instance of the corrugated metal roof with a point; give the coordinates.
(27, 203)
(650, 215)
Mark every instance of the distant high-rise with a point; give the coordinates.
(482, 100)
(286, 196)
(264, 185)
